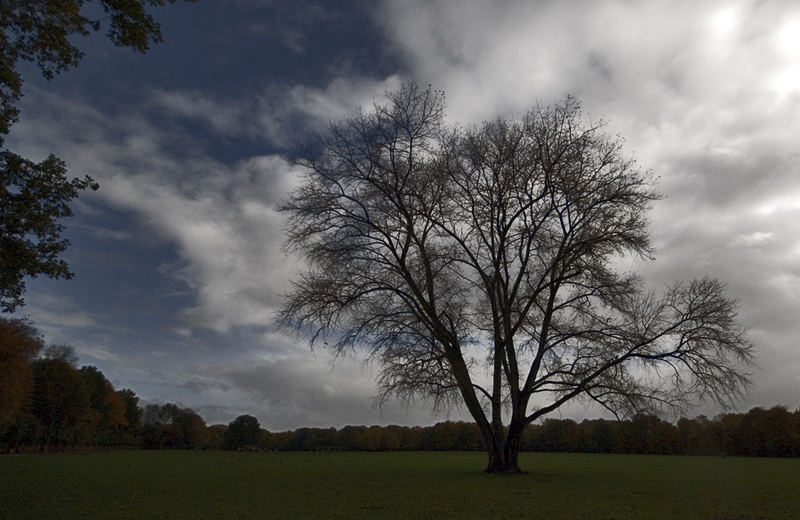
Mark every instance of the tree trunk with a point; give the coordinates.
(504, 456)
(512, 446)
(503, 462)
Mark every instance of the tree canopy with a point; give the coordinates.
(242, 432)
(478, 266)
(19, 346)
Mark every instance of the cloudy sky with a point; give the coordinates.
(178, 260)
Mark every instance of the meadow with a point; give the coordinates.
(209, 484)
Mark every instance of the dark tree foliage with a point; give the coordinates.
(19, 346)
(168, 426)
(107, 415)
(61, 400)
(133, 414)
(48, 403)
(243, 432)
(34, 199)
(130, 433)
(36, 195)
(450, 252)
(215, 437)
(61, 352)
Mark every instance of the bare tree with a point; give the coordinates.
(478, 266)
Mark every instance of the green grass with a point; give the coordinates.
(176, 485)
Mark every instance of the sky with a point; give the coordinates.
(178, 259)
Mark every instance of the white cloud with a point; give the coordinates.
(222, 218)
(706, 95)
(228, 234)
(55, 313)
(780, 204)
(340, 98)
(223, 117)
(87, 353)
(276, 114)
(755, 239)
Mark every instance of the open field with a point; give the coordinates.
(174, 484)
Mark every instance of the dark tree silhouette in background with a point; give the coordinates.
(19, 346)
(36, 195)
(169, 426)
(61, 400)
(477, 265)
(242, 432)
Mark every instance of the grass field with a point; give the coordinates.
(176, 485)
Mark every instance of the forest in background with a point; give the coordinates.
(48, 403)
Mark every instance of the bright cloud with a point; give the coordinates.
(704, 93)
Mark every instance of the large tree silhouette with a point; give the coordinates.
(477, 265)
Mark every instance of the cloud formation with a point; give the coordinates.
(277, 115)
(222, 217)
(706, 94)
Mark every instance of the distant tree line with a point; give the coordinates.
(48, 403)
(759, 432)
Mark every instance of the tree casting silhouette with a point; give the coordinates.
(477, 265)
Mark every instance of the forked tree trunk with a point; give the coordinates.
(504, 453)
(505, 461)
(502, 447)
